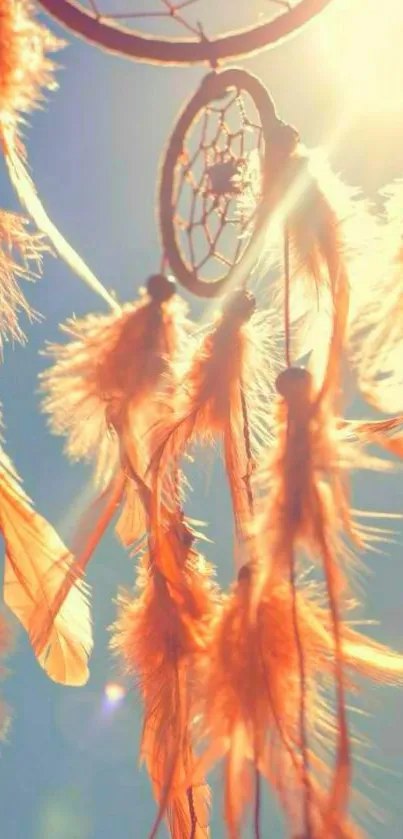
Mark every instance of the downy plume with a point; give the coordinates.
(158, 635)
(250, 699)
(315, 226)
(304, 505)
(101, 391)
(221, 398)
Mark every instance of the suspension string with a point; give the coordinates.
(251, 505)
(302, 702)
(189, 791)
(287, 319)
(248, 451)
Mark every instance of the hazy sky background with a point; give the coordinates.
(69, 768)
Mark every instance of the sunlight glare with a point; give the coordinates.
(361, 43)
(114, 693)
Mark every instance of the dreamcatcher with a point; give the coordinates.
(235, 186)
(243, 677)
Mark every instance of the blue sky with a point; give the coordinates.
(68, 770)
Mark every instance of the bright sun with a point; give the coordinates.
(362, 41)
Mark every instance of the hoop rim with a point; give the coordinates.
(212, 87)
(137, 46)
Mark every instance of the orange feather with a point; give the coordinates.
(158, 635)
(250, 694)
(226, 373)
(36, 564)
(323, 226)
(100, 392)
(305, 505)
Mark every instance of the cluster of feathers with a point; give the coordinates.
(256, 678)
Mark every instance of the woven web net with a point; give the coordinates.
(217, 185)
(202, 18)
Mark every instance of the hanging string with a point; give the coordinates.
(287, 319)
(248, 451)
(251, 505)
(302, 702)
(180, 513)
(343, 767)
(293, 582)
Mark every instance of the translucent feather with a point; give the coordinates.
(36, 564)
(101, 391)
(221, 393)
(158, 635)
(305, 507)
(250, 701)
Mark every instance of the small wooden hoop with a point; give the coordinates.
(213, 87)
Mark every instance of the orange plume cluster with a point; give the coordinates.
(250, 704)
(218, 400)
(159, 634)
(101, 393)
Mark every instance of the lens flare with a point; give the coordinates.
(114, 693)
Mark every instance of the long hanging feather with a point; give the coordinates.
(158, 635)
(101, 393)
(226, 372)
(36, 563)
(25, 71)
(305, 505)
(250, 696)
(20, 259)
(323, 226)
